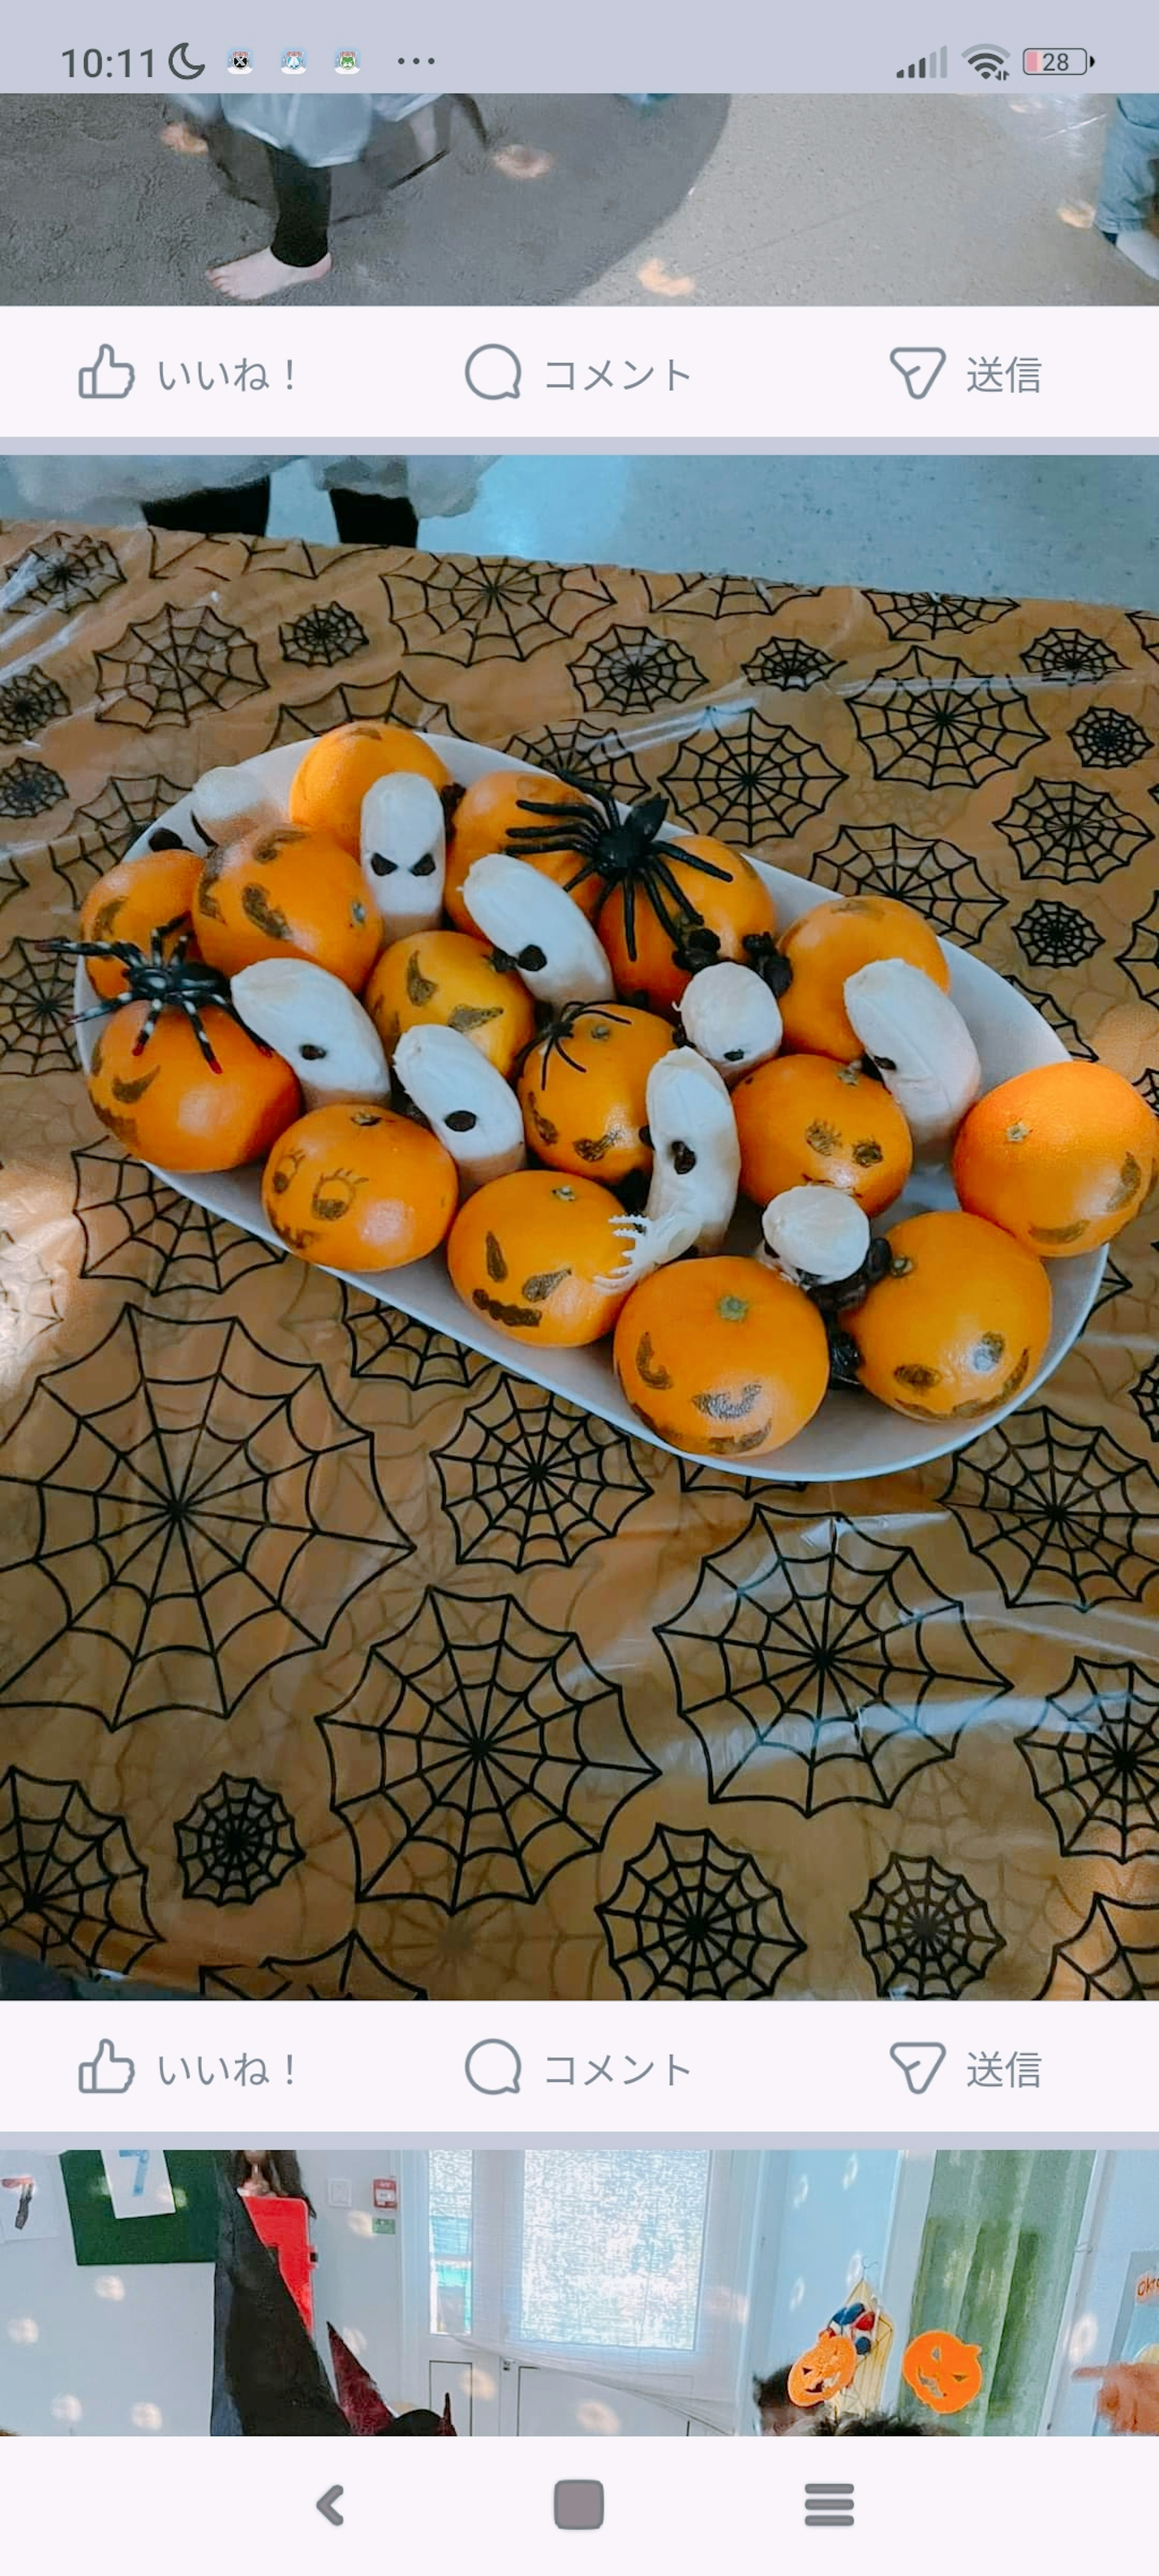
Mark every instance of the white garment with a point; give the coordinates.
(321, 130)
(112, 489)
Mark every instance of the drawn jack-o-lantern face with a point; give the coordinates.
(944, 2373)
(823, 2371)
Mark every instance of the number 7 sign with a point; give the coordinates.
(138, 2180)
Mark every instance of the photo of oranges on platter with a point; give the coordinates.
(773, 1177)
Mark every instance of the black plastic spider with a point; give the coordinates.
(627, 851)
(554, 1035)
(165, 981)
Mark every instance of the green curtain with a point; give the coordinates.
(997, 2252)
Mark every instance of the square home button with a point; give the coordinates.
(579, 2504)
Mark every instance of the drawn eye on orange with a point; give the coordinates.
(334, 1194)
(285, 1170)
(944, 2373)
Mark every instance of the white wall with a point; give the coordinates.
(358, 2275)
(83, 2351)
(831, 2225)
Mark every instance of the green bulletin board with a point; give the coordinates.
(100, 2238)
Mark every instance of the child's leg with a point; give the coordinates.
(300, 249)
(238, 512)
(368, 519)
(1127, 189)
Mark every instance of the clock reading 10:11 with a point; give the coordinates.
(97, 65)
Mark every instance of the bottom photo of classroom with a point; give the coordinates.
(390, 2291)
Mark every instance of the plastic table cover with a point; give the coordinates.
(338, 1661)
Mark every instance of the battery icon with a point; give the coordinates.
(1056, 62)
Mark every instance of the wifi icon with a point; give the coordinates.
(989, 61)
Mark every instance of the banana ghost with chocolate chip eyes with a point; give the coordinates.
(404, 852)
(229, 801)
(313, 1020)
(730, 1016)
(540, 931)
(473, 1112)
(695, 1168)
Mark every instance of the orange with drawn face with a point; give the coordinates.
(342, 766)
(357, 1188)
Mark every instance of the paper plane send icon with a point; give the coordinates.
(920, 368)
(919, 2060)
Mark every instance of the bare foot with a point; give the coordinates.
(179, 137)
(522, 161)
(247, 280)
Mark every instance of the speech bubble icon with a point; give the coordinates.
(493, 372)
(493, 2066)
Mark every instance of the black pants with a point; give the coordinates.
(362, 518)
(302, 236)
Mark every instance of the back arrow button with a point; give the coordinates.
(326, 2505)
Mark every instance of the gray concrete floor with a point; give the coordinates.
(750, 200)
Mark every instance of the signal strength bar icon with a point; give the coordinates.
(931, 66)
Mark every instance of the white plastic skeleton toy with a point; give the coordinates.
(729, 1015)
(404, 852)
(473, 1112)
(695, 1170)
(313, 1020)
(814, 1235)
(549, 941)
(920, 1044)
(229, 802)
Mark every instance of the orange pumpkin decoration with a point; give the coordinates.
(582, 1089)
(944, 2373)
(446, 977)
(175, 1076)
(131, 901)
(721, 1357)
(357, 1188)
(490, 816)
(529, 1251)
(833, 941)
(341, 767)
(1062, 1157)
(823, 2371)
(286, 893)
(959, 1323)
(806, 1118)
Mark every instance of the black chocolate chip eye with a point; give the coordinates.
(645, 1135)
(733, 1055)
(381, 867)
(424, 867)
(312, 1054)
(683, 1158)
(163, 840)
(886, 1063)
(461, 1121)
(532, 958)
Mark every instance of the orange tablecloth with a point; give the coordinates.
(336, 1660)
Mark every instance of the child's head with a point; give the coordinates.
(887, 2424)
(775, 2407)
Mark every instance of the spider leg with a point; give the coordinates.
(194, 1018)
(660, 873)
(690, 859)
(148, 1025)
(101, 1012)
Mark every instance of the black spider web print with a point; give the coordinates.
(631, 669)
(297, 558)
(502, 610)
(1068, 654)
(1105, 738)
(1147, 629)
(1059, 1513)
(590, 750)
(184, 1520)
(1115, 1284)
(349, 702)
(693, 1917)
(348, 1971)
(1056, 934)
(1141, 959)
(322, 636)
(402, 1351)
(1062, 829)
(924, 1932)
(1148, 1084)
(102, 833)
(1145, 1398)
(756, 782)
(30, 703)
(484, 1753)
(1113, 1958)
(822, 1675)
(1045, 999)
(913, 616)
(1094, 1762)
(28, 788)
(32, 1300)
(788, 663)
(63, 572)
(174, 668)
(139, 1231)
(529, 1480)
(36, 1013)
(717, 595)
(943, 882)
(931, 722)
(236, 1842)
(72, 1889)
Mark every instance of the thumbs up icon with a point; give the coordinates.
(107, 380)
(106, 2072)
